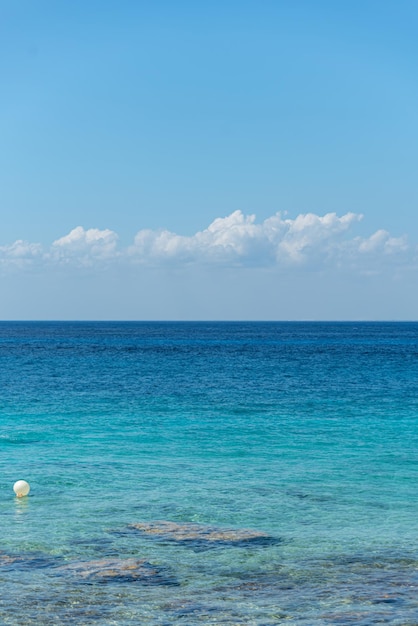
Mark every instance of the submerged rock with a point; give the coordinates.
(118, 570)
(6, 560)
(193, 533)
(26, 561)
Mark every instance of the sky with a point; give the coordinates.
(180, 160)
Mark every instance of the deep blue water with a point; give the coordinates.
(307, 432)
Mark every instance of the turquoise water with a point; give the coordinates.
(307, 432)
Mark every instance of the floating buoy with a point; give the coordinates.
(21, 488)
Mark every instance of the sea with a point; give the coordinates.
(234, 473)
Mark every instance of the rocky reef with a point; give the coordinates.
(201, 534)
(114, 570)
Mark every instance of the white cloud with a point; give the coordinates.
(309, 235)
(383, 242)
(20, 253)
(231, 238)
(85, 246)
(235, 240)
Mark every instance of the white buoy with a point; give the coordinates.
(21, 488)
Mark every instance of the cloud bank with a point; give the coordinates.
(236, 240)
(239, 239)
(85, 246)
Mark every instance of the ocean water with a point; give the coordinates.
(305, 433)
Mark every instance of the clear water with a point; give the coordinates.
(306, 431)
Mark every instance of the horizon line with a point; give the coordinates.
(211, 321)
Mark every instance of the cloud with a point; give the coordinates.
(317, 241)
(20, 253)
(383, 242)
(231, 238)
(311, 235)
(85, 246)
(238, 239)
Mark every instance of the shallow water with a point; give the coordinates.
(306, 432)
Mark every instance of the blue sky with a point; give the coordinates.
(129, 128)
